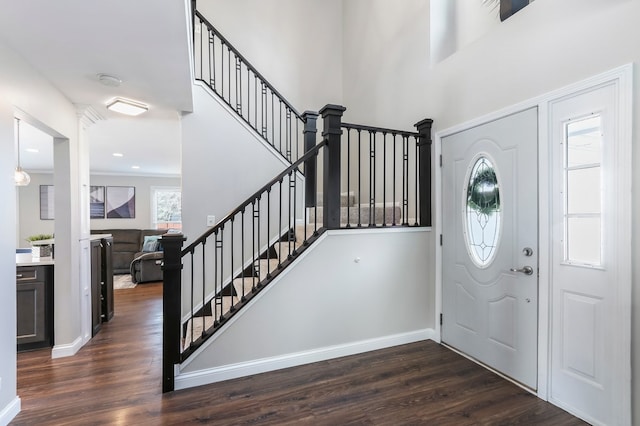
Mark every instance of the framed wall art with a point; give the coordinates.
(121, 202)
(96, 202)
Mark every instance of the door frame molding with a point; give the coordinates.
(622, 78)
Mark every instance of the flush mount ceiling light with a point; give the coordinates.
(127, 106)
(20, 177)
(109, 80)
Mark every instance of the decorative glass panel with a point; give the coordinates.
(583, 191)
(483, 212)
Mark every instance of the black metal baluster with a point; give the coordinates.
(221, 249)
(213, 64)
(280, 126)
(238, 85)
(204, 275)
(229, 74)
(405, 180)
(297, 139)
(233, 272)
(216, 293)
(417, 200)
(280, 224)
(348, 178)
(290, 228)
(288, 134)
(242, 265)
(359, 178)
(255, 103)
(268, 233)
(192, 295)
(273, 126)
(372, 179)
(384, 178)
(394, 178)
(295, 206)
(255, 266)
(264, 110)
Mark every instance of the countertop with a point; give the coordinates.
(26, 259)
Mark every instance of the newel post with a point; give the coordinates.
(332, 132)
(424, 174)
(172, 283)
(310, 186)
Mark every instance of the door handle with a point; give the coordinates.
(527, 270)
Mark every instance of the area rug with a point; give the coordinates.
(122, 281)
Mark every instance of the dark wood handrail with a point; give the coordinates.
(310, 154)
(248, 64)
(350, 126)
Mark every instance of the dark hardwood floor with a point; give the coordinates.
(115, 380)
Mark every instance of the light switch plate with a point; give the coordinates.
(211, 220)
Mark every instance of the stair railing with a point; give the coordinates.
(210, 280)
(207, 282)
(387, 177)
(231, 76)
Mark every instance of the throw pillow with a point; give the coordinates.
(151, 243)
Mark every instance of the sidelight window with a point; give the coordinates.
(582, 195)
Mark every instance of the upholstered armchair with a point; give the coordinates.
(147, 264)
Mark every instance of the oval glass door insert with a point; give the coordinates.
(482, 212)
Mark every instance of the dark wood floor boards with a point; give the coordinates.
(115, 380)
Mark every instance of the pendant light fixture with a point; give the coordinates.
(20, 177)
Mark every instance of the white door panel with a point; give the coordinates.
(489, 311)
(584, 280)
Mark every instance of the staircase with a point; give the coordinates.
(368, 177)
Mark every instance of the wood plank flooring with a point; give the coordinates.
(115, 380)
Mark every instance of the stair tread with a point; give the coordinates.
(244, 285)
(264, 266)
(195, 326)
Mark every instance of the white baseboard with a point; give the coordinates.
(234, 371)
(9, 412)
(70, 349)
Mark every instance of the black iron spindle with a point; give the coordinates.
(417, 168)
(405, 179)
(372, 178)
(384, 178)
(348, 178)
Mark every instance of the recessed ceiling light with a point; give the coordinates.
(135, 167)
(118, 154)
(127, 106)
(109, 80)
(34, 150)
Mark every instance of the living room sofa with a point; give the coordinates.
(128, 245)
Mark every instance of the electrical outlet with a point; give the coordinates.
(211, 220)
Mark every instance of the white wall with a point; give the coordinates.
(295, 44)
(312, 310)
(224, 163)
(545, 46)
(386, 57)
(24, 91)
(29, 203)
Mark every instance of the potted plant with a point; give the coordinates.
(41, 246)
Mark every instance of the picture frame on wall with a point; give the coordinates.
(96, 202)
(121, 202)
(47, 207)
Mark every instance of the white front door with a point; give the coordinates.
(490, 244)
(589, 325)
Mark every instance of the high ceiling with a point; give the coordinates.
(144, 43)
